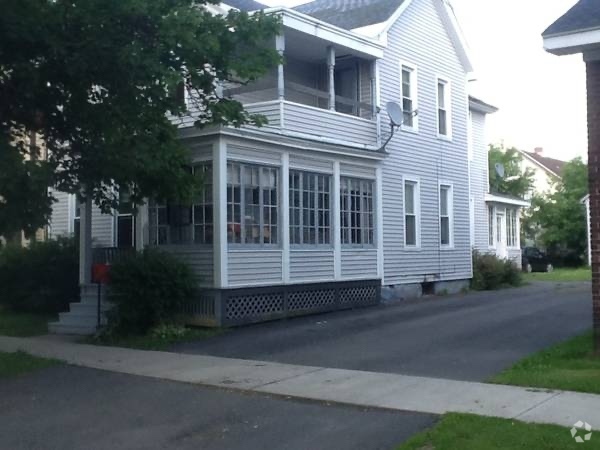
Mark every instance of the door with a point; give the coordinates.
(501, 251)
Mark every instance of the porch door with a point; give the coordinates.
(501, 251)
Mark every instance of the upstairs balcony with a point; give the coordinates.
(324, 90)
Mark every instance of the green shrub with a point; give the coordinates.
(41, 278)
(491, 272)
(148, 289)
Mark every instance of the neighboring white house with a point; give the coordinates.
(545, 170)
(495, 218)
(310, 213)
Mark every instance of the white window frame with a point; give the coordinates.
(447, 107)
(367, 231)
(413, 94)
(450, 215)
(417, 210)
(316, 210)
(491, 212)
(511, 219)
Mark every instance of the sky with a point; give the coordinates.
(542, 97)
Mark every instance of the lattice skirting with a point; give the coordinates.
(228, 307)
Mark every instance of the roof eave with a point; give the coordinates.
(577, 41)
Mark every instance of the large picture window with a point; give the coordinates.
(411, 213)
(252, 200)
(446, 215)
(310, 208)
(356, 214)
(173, 223)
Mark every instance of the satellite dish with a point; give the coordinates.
(499, 170)
(394, 110)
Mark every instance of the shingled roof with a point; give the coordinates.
(245, 5)
(555, 165)
(584, 16)
(350, 14)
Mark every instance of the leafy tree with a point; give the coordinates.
(515, 182)
(559, 216)
(96, 79)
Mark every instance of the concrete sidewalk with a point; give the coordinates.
(367, 389)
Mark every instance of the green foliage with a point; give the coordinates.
(42, 278)
(148, 289)
(95, 80)
(491, 272)
(18, 363)
(514, 182)
(559, 217)
(23, 324)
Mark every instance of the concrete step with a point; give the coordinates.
(62, 328)
(77, 319)
(88, 308)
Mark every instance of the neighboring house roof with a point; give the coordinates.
(481, 106)
(554, 166)
(245, 5)
(584, 16)
(350, 14)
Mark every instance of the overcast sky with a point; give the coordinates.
(541, 96)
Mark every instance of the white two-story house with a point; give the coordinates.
(313, 212)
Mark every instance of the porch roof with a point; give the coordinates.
(506, 200)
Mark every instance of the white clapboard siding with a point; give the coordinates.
(420, 38)
(254, 268)
(199, 258)
(359, 263)
(311, 265)
(479, 181)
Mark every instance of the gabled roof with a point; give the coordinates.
(351, 14)
(245, 5)
(554, 166)
(584, 16)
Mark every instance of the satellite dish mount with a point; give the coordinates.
(396, 116)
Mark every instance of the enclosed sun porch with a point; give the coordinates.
(325, 88)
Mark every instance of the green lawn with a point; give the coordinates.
(151, 341)
(468, 432)
(12, 364)
(569, 366)
(23, 324)
(580, 274)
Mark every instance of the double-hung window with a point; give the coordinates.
(443, 108)
(77, 217)
(511, 227)
(411, 213)
(409, 96)
(310, 208)
(125, 220)
(356, 212)
(446, 215)
(252, 204)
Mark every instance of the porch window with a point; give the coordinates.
(511, 227)
(443, 107)
(411, 213)
(446, 215)
(409, 96)
(252, 204)
(310, 208)
(125, 220)
(491, 240)
(356, 214)
(174, 223)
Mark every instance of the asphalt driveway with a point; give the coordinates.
(464, 337)
(64, 408)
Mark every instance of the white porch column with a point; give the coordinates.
(377, 101)
(331, 73)
(141, 226)
(280, 47)
(373, 84)
(85, 241)
(220, 213)
(336, 223)
(285, 216)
